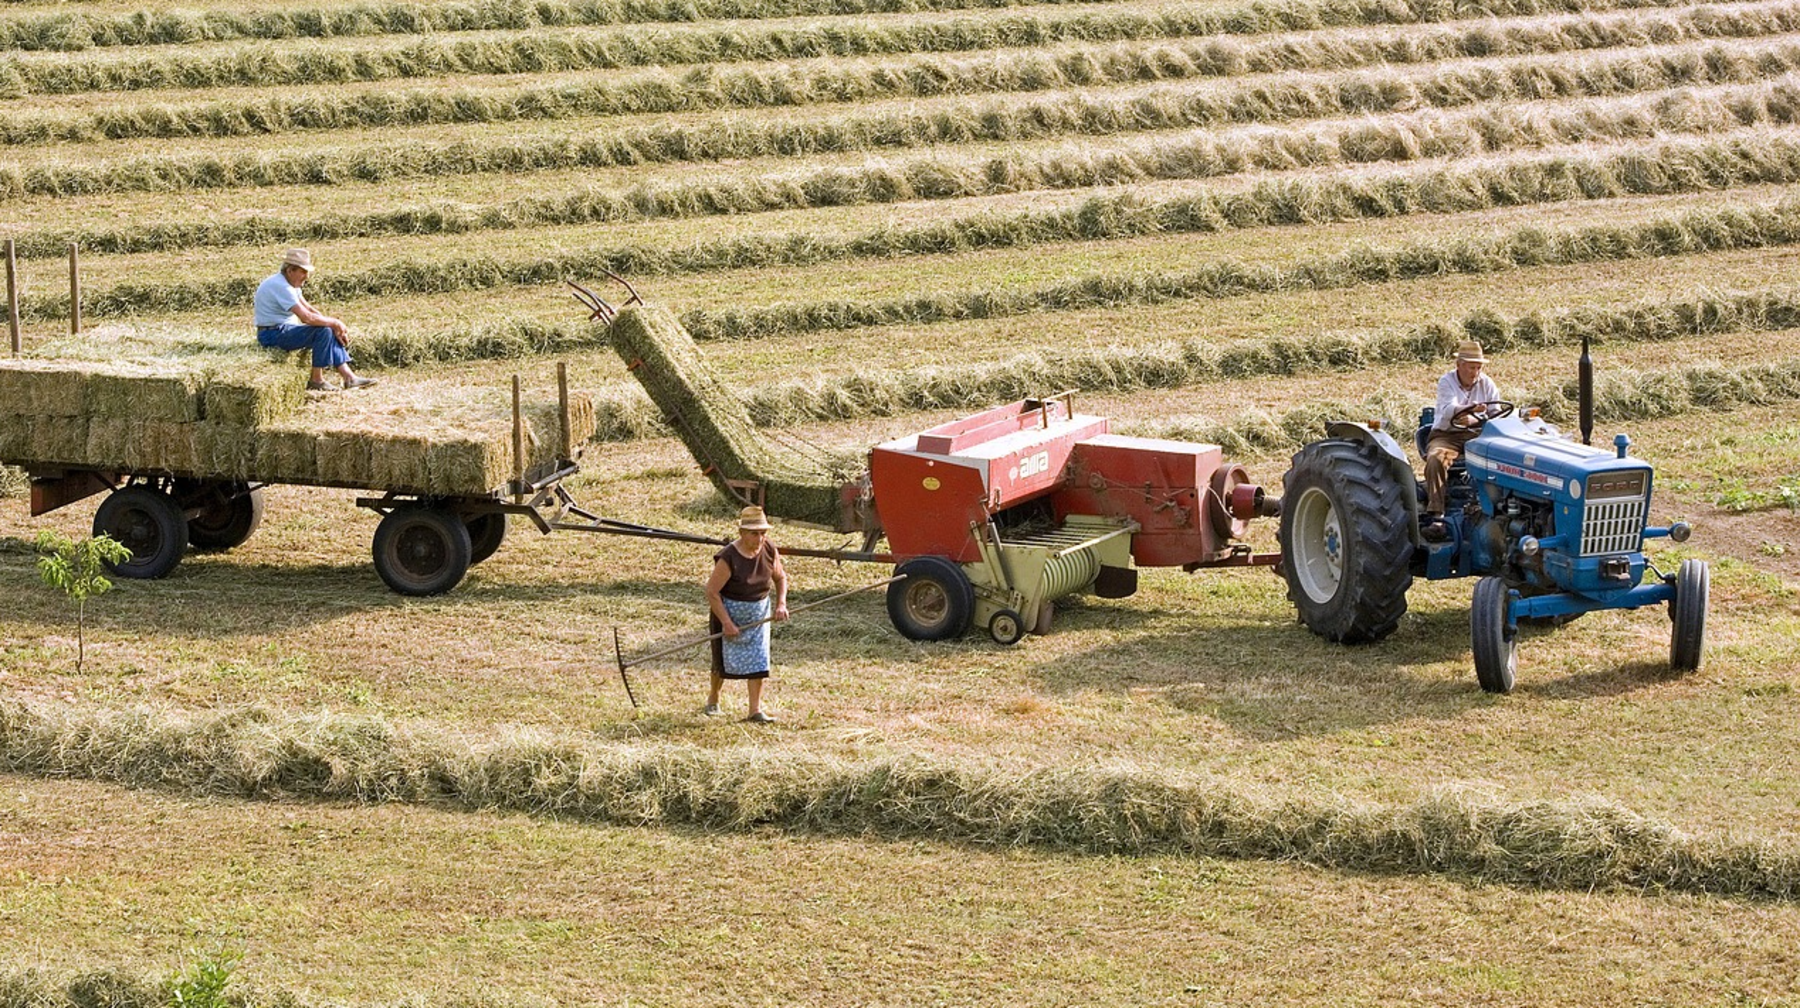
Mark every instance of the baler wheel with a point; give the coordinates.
(1687, 610)
(1006, 627)
(1495, 645)
(1346, 541)
(935, 602)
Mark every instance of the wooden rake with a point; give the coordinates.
(619, 655)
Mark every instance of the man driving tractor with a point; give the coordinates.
(1462, 398)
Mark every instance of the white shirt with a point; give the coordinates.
(1451, 396)
(275, 301)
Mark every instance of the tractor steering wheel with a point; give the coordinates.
(1499, 408)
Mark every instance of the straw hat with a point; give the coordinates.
(298, 257)
(752, 519)
(1469, 350)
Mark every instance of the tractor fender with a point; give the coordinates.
(1397, 461)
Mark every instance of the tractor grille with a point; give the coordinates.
(1613, 527)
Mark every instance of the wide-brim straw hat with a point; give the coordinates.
(297, 257)
(752, 519)
(1469, 350)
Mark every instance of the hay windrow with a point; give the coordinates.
(1694, 233)
(1101, 218)
(1075, 110)
(565, 50)
(665, 91)
(1500, 181)
(1112, 810)
(711, 420)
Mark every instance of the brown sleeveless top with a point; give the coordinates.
(752, 576)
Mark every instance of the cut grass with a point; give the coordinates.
(548, 97)
(1505, 177)
(333, 904)
(1113, 810)
(1128, 215)
(197, 65)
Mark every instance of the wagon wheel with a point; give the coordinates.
(149, 524)
(225, 513)
(422, 549)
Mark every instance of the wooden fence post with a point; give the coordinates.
(12, 295)
(74, 291)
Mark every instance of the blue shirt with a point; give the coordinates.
(275, 301)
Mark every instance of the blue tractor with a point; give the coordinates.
(1553, 527)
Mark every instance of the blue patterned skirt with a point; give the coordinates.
(745, 656)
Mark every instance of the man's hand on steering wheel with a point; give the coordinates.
(1493, 409)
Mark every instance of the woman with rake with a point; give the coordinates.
(745, 574)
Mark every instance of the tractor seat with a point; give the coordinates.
(1422, 437)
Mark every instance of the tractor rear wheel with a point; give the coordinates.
(149, 524)
(422, 550)
(1346, 541)
(935, 602)
(1687, 640)
(1496, 646)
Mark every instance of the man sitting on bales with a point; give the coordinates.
(285, 321)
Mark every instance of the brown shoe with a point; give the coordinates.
(319, 386)
(356, 383)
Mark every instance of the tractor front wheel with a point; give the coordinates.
(1346, 541)
(149, 524)
(422, 550)
(1687, 610)
(935, 602)
(1495, 645)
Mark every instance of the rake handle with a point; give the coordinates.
(671, 649)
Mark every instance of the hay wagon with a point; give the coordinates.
(183, 452)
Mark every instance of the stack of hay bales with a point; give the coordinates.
(244, 417)
(711, 418)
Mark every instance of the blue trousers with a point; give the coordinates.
(326, 353)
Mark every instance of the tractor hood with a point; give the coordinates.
(1533, 457)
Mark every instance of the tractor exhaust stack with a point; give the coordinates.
(1584, 372)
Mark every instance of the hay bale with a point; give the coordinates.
(400, 462)
(177, 448)
(42, 388)
(711, 418)
(57, 439)
(255, 399)
(344, 457)
(225, 450)
(460, 465)
(15, 437)
(286, 455)
(143, 393)
(113, 443)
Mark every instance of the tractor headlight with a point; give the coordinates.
(1528, 545)
(1680, 531)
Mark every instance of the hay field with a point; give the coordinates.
(1220, 220)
